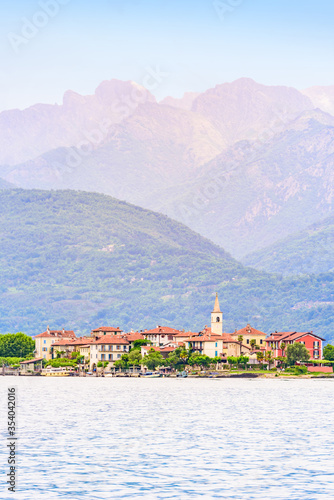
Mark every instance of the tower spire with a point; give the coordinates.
(216, 306)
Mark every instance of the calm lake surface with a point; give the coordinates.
(113, 438)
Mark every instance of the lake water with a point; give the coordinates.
(112, 438)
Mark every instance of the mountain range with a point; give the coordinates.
(81, 260)
(308, 251)
(243, 164)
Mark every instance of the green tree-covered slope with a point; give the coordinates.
(81, 260)
(306, 252)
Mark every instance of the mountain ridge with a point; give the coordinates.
(88, 259)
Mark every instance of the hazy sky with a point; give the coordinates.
(76, 44)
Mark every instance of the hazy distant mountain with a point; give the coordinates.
(322, 97)
(243, 109)
(184, 102)
(249, 197)
(246, 166)
(40, 128)
(308, 251)
(5, 185)
(157, 146)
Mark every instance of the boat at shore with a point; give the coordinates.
(151, 375)
(57, 372)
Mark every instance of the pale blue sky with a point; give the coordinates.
(274, 42)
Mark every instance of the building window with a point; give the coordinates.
(315, 344)
(110, 357)
(216, 345)
(316, 354)
(216, 353)
(261, 341)
(247, 341)
(118, 347)
(44, 341)
(118, 355)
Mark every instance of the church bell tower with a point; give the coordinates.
(217, 318)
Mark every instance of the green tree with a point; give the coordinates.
(200, 360)
(122, 363)
(232, 360)
(10, 361)
(152, 359)
(140, 342)
(297, 352)
(283, 346)
(179, 358)
(16, 345)
(269, 358)
(203, 361)
(242, 360)
(253, 343)
(328, 352)
(216, 360)
(59, 362)
(103, 365)
(240, 338)
(135, 357)
(260, 357)
(281, 361)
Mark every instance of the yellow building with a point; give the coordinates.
(107, 348)
(64, 347)
(45, 340)
(212, 345)
(248, 334)
(85, 352)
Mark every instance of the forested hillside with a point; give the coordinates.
(305, 252)
(81, 260)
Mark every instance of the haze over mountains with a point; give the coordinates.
(243, 164)
(308, 251)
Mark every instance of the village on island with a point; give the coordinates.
(166, 351)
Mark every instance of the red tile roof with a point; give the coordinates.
(111, 339)
(62, 342)
(149, 347)
(29, 361)
(248, 330)
(107, 329)
(289, 336)
(77, 342)
(168, 348)
(57, 333)
(213, 337)
(185, 334)
(161, 330)
(83, 340)
(132, 336)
